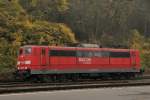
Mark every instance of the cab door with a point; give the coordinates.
(43, 56)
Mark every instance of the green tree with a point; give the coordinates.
(17, 28)
(143, 44)
(50, 10)
(146, 53)
(136, 40)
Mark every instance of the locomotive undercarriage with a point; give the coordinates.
(64, 77)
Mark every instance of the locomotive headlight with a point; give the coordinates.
(18, 63)
(27, 62)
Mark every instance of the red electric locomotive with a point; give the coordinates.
(55, 62)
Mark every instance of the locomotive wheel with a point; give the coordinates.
(75, 77)
(115, 76)
(46, 78)
(54, 78)
(34, 79)
(63, 78)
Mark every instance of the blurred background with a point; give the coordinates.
(109, 23)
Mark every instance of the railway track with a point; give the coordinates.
(18, 83)
(16, 87)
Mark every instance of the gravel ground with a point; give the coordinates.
(124, 93)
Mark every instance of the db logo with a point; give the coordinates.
(85, 60)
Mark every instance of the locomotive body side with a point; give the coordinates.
(44, 60)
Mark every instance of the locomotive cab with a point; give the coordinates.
(24, 60)
(30, 59)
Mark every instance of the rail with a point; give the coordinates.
(17, 87)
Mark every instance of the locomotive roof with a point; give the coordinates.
(77, 48)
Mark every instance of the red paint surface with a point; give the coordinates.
(46, 62)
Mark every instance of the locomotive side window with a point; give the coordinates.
(105, 54)
(101, 54)
(27, 50)
(120, 54)
(62, 53)
(53, 53)
(79, 54)
(84, 54)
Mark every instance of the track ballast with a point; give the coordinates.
(19, 87)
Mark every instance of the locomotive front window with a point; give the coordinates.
(27, 50)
